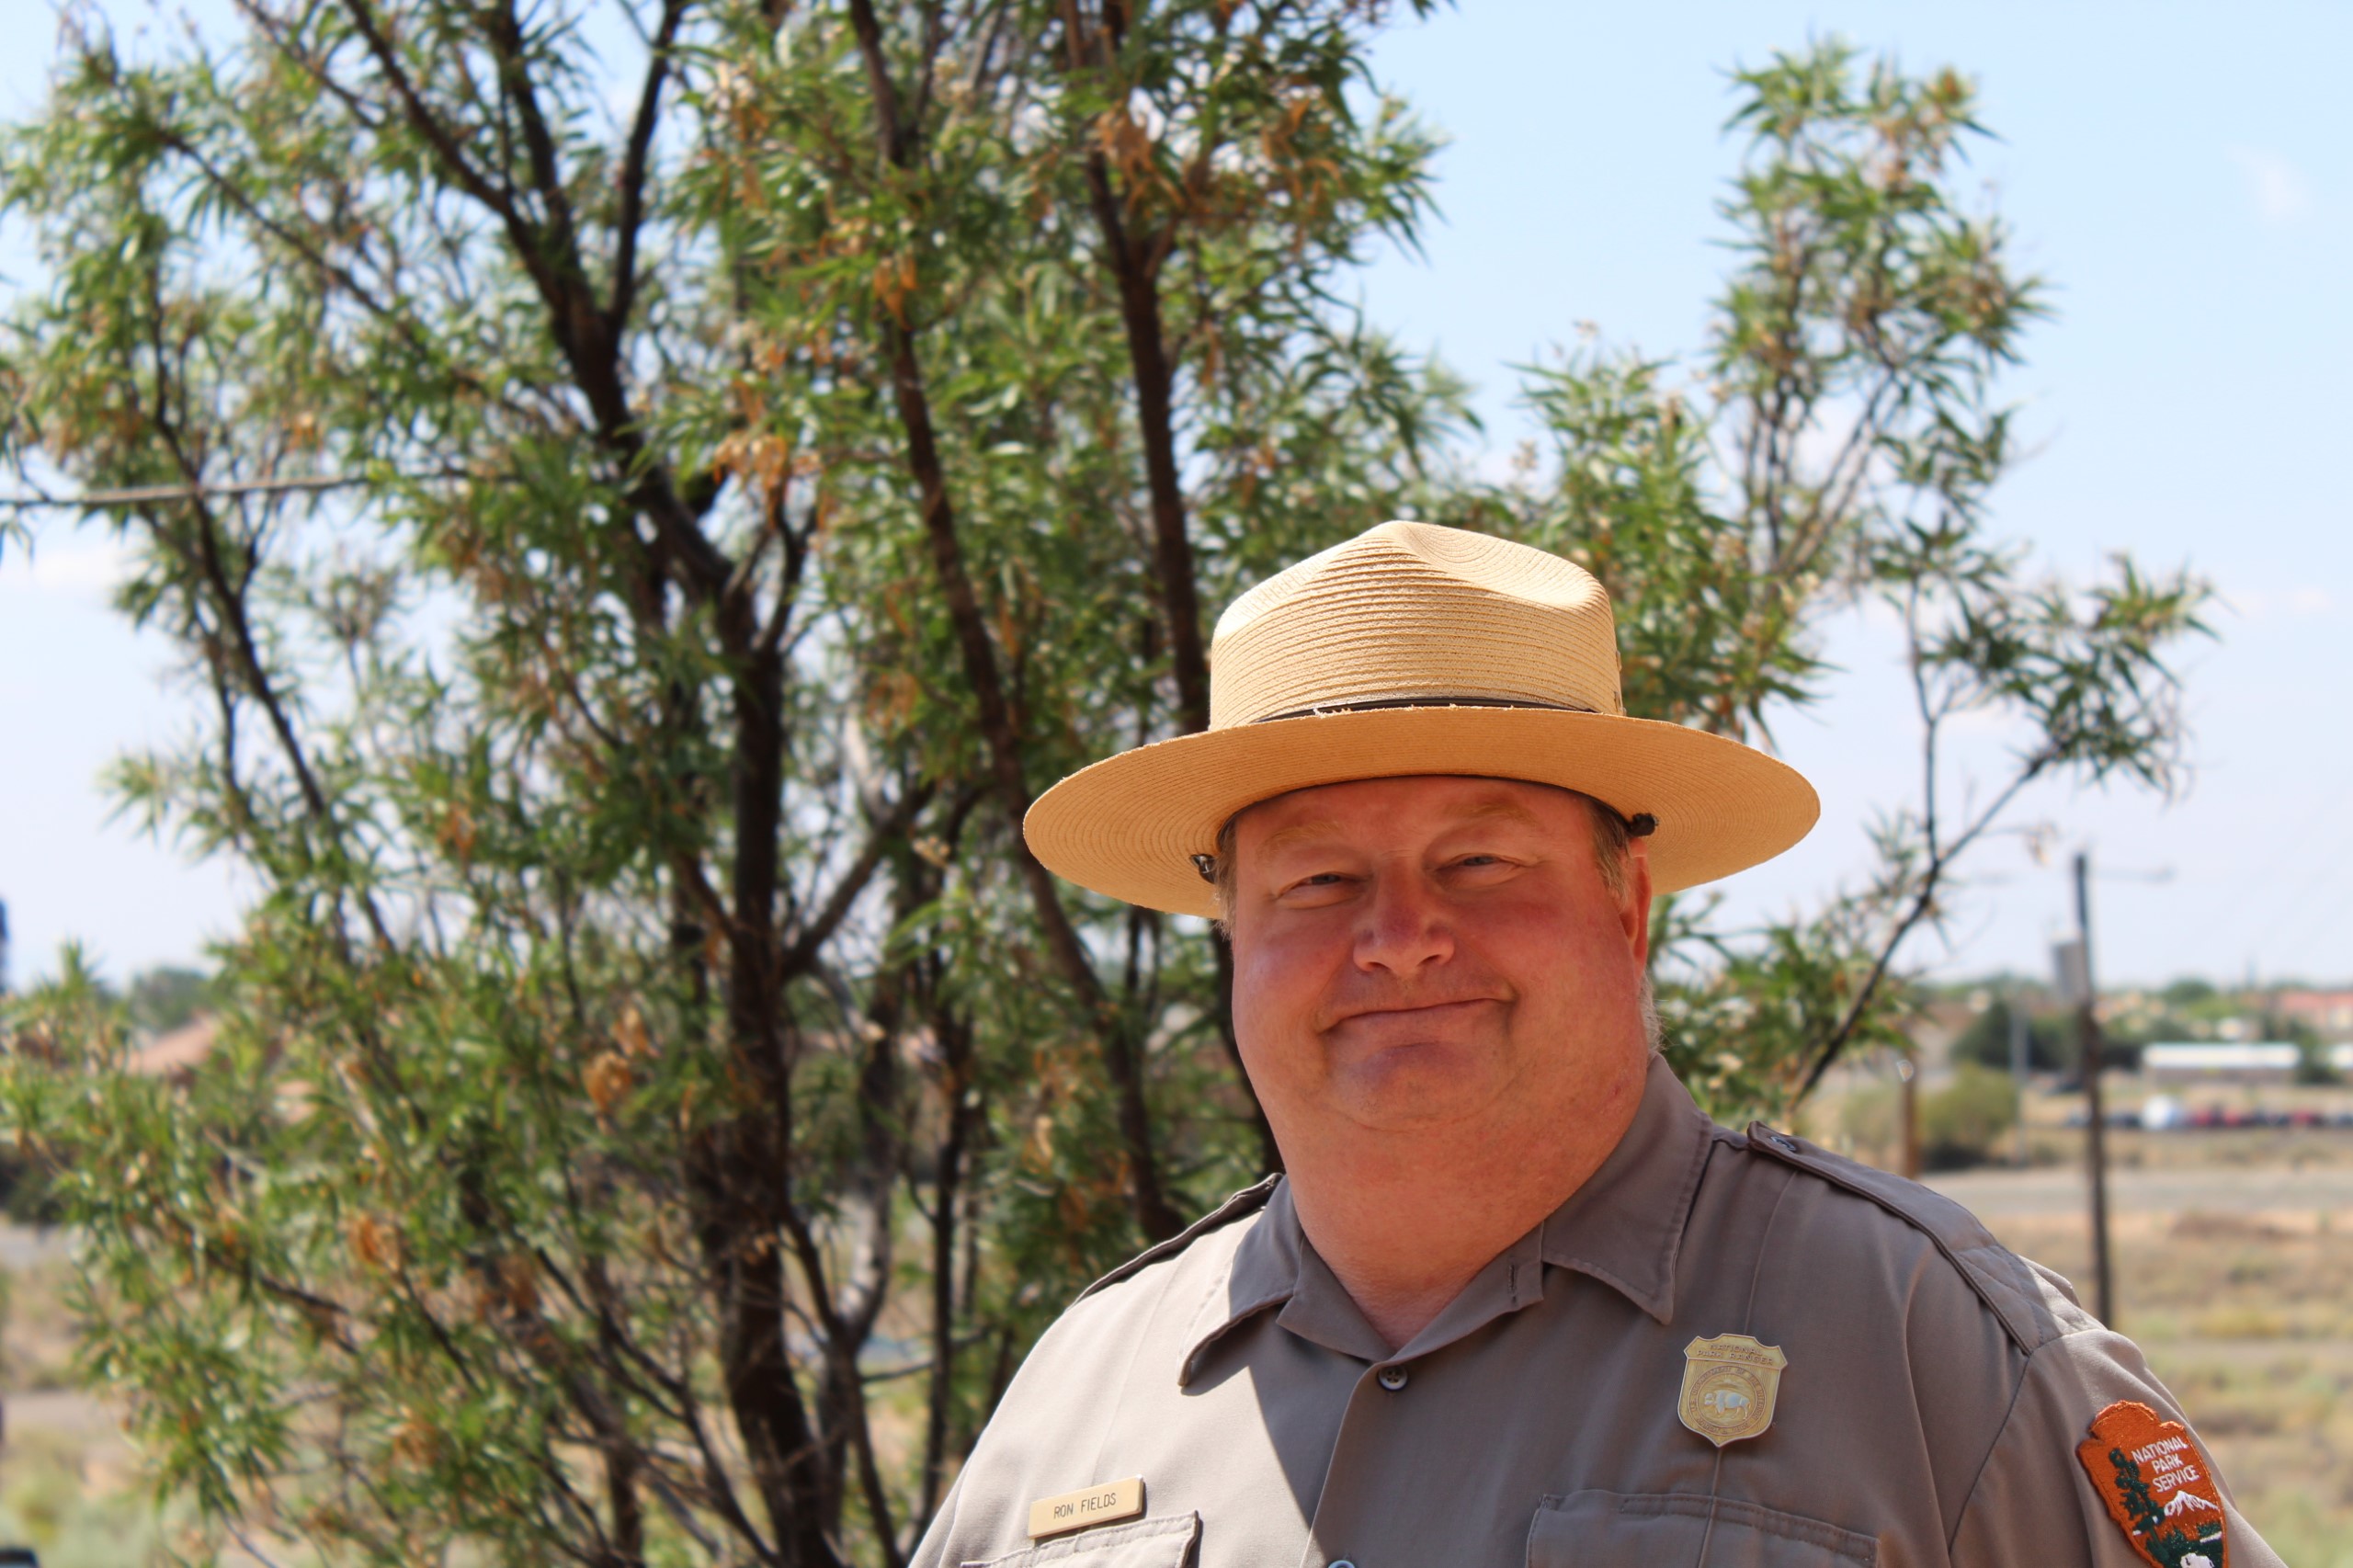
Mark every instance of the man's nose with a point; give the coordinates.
(1405, 925)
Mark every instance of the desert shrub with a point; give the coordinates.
(1961, 1122)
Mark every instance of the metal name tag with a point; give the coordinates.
(1099, 1504)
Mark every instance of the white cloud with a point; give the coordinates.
(2256, 604)
(2280, 192)
(82, 569)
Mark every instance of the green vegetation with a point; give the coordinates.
(2051, 1040)
(46, 1504)
(1963, 1122)
(165, 998)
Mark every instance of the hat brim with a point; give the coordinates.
(1128, 825)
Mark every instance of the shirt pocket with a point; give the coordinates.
(1147, 1543)
(1632, 1529)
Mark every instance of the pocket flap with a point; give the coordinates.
(1147, 1543)
(1606, 1529)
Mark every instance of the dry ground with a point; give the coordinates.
(69, 1483)
(2237, 1281)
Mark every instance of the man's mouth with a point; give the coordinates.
(1409, 1013)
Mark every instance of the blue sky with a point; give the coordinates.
(2182, 178)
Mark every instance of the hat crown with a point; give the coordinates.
(1412, 612)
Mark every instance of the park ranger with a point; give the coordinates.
(1515, 1300)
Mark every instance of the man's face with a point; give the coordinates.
(1428, 952)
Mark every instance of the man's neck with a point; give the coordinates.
(1405, 1219)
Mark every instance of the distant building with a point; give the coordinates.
(2258, 1061)
(2325, 1012)
(175, 1054)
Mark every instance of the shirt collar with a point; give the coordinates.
(1263, 1272)
(1624, 1227)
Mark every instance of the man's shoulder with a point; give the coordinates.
(1865, 1219)
(1143, 1312)
(1227, 1216)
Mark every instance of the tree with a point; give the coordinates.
(2168, 1543)
(1838, 444)
(646, 496)
(165, 997)
(2050, 1044)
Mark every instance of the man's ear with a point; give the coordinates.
(1635, 914)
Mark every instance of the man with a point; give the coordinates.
(1515, 1300)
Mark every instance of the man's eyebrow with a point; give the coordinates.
(1321, 829)
(1300, 833)
(1498, 810)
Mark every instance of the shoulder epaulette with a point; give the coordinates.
(2028, 1310)
(1249, 1200)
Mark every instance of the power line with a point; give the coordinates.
(2294, 850)
(149, 494)
(2325, 869)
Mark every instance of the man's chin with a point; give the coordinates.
(1422, 1084)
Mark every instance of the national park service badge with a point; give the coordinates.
(1728, 1387)
(2158, 1487)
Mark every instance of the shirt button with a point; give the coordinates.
(1393, 1379)
(1343, 1562)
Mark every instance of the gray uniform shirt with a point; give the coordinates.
(1936, 1388)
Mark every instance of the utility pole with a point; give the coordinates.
(2103, 1281)
(2015, 1008)
(1907, 1078)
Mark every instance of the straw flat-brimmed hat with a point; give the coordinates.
(1413, 649)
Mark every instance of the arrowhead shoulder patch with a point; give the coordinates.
(2157, 1486)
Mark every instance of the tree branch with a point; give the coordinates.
(1138, 281)
(998, 724)
(1939, 861)
(634, 165)
(801, 951)
(841, 1347)
(229, 605)
(498, 198)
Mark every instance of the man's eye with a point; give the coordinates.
(1316, 883)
